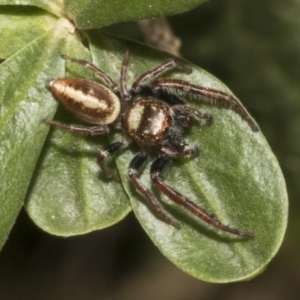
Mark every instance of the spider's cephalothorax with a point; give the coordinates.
(152, 115)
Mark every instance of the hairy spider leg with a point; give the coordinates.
(96, 130)
(106, 78)
(134, 167)
(107, 152)
(123, 83)
(156, 175)
(83, 130)
(165, 66)
(206, 95)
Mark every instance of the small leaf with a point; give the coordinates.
(99, 13)
(236, 177)
(24, 100)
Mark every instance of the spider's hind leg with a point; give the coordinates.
(79, 129)
(106, 78)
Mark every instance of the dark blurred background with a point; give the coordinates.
(254, 48)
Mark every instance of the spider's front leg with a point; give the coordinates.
(156, 177)
(206, 95)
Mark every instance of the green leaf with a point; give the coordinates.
(99, 13)
(236, 177)
(23, 100)
(69, 195)
(20, 26)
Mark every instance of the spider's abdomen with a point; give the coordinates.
(147, 121)
(90, 101)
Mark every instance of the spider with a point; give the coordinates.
(152, 115)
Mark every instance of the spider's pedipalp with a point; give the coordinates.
(204, 118)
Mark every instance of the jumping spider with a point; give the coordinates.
(152, 115)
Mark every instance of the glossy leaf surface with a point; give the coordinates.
(23, 100)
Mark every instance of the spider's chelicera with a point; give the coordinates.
(152, 115)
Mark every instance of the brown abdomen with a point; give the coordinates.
(90, 101)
